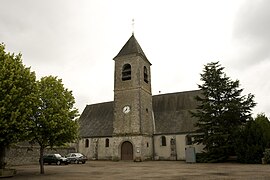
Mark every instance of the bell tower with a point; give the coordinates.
(133, 114)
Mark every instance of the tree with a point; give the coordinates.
(220, 113)
(264, 124)
(54, 122)
(17, 100)
(253, 139)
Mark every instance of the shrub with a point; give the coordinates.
(267, 156)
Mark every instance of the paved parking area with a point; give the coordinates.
(173, 170)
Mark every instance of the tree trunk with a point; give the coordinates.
(41, 151)
(2, 156)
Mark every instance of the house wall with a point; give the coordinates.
(142, 147)
(96, 148)
(171, 151)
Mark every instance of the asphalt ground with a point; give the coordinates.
(173, 170)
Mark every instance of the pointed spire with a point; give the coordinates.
(131, 47)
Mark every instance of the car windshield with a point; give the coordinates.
(74, 155)
(79, 154)
(58, 155)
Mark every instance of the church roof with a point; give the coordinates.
(171, 114)
(131, 47)
(97, 120)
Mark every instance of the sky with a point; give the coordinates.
(76, 40)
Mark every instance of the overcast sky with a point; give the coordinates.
(76, 40)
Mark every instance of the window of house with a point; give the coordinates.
(163, 141)
(172, 141)
(107, 143)
(87, 143)
(145, 74)
(126, 72)
(188, 140)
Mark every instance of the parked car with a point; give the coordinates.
(55, 158)
(76, 158)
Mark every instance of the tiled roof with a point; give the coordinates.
(171, 114)
(131, 47)
(97, 120)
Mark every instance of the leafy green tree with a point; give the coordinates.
(220, 113)
(252, 140)
(54, 121)
(17, 100)
(264, 123)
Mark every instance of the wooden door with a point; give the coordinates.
(127, 151)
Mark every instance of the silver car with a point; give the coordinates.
(76, 158)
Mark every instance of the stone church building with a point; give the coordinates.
(136, 125)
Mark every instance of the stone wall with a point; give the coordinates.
(175, 151)
(142, 147)
(22, 155)
(135, 93)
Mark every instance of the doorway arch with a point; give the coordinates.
(126, 151)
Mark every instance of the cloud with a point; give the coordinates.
(45, 30)
(251, 33)
(76, 41)
(255, 80)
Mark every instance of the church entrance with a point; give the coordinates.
(127, 151)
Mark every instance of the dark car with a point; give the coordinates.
(55, 159)
(76, 158)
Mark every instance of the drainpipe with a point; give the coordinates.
(175, 147)
(153, 137)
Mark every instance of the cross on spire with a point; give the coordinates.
(133, 26)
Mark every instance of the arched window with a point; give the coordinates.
(87, 143)
(145, 74)
(107, 143)
(126, 72)
(163, 141)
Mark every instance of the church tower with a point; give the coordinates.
(133, 115)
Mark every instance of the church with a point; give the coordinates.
(137, 125)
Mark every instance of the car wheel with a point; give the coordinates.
(58, 162)
(83, 162)
(76, 162)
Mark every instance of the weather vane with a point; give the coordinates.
(133, 26)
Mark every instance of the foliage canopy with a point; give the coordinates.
(54, 121)
(17, 100)
(220, 113)
(253, 139)
(39, 111)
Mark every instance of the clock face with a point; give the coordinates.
(126, 109)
